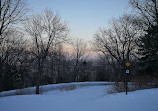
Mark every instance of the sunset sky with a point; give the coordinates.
(84, 17)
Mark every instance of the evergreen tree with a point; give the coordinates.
(148, 48)
(149, 51)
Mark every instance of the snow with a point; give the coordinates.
(88, 98)
(52, 87)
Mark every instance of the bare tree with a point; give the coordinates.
(11, 13)
(46, 30)
(80, 49)
(120, 40)
(148, 9)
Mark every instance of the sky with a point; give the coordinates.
(84, 17)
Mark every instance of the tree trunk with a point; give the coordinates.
(38, 76)
(1, 76)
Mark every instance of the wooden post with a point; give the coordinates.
(126, 84)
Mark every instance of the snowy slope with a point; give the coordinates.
(90, 98)
(52, 87)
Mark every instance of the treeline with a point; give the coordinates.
(32, 47)
(132, 38)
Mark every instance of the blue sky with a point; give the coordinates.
(84, 17)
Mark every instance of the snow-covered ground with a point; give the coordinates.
(52, 87)
(88, 98)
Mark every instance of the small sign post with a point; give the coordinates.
(127, 72)
(128, 64)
